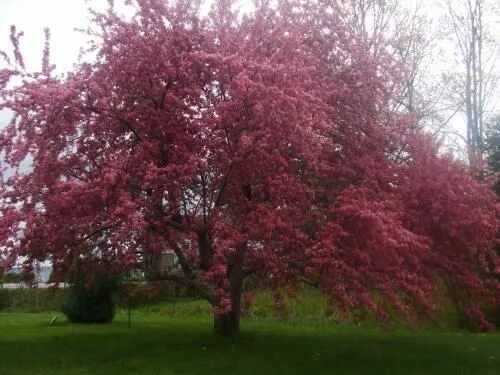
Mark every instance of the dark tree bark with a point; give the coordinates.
(228, 324)
(205, 248)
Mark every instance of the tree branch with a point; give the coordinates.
(203, 289)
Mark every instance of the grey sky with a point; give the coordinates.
(32, 16)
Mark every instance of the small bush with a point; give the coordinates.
(4, 299)
(493, 315)
(91, 302)
(12, 277)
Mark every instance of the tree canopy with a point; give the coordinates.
(261, 144)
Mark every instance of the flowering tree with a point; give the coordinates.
(258, 145)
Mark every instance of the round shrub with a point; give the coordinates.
(91, 302)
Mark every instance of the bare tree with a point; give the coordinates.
(478, 55)
(371, 20)
(411, 37)
(435, 88)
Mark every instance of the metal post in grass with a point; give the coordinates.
(129, 298)
(36, 296)
(129, 313)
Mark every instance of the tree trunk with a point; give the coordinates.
(227, 325)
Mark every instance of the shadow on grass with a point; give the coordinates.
(158, 345)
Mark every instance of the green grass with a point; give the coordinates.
(158, 343)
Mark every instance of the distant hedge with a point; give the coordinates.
(30, 299)
(12, 277)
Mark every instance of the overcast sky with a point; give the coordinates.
(32, 16)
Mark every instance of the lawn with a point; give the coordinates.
(159, 344)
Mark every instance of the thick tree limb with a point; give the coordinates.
(203, 289)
